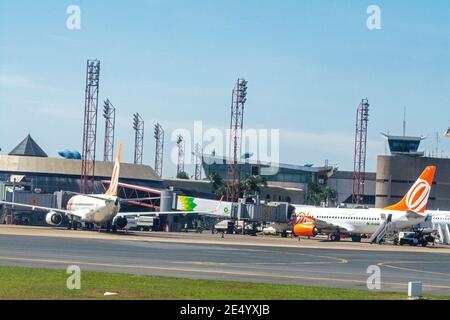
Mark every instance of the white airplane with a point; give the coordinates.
(335, 222)
(439, 220)
(439, 217)
(97, 209)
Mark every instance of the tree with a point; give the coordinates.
(330, 196)
(253, 184)
(318, 195)
(182, 175)
(218, 185)
(313, 194)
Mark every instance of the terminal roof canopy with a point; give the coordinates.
(29, 148)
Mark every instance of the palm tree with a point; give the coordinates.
(218, 184)
(253, 184)
(313, 194)
(182, 175)
(317, 195)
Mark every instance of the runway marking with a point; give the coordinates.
(209, 271)
(296, 263)
(152, 237)
(241, 264)
(203, 263)
(388, 265)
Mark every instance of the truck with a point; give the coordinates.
(414, 238)
(225, 226)
(142, 223)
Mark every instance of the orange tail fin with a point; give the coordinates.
(112, 190)
(417, 197)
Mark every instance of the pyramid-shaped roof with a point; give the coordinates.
(28, 147)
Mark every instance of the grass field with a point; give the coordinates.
(24, 283)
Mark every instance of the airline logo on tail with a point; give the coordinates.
(112, 190)
(417, 197)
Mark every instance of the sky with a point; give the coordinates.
(308, 65)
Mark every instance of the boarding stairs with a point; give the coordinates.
(444, 233)
(383, 230)
(3, 214)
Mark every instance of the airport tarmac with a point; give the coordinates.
(243, 258)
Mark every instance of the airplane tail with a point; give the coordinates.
(417, 197)
(112, 190)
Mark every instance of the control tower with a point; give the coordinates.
(404, 145)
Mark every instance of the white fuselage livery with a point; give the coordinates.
(439, 217)
(357, 221)
(99, 210)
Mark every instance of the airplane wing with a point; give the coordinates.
(323, 225)
(39, 208)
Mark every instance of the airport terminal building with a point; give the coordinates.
(29, 163)
(399, 170)
(285, 182)
(28, 175)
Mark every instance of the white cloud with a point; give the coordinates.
(19, 81)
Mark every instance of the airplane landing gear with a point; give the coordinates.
(89, 226)
(356, 238)
(72, 225)
(335, 237)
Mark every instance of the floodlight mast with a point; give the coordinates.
(239, 98)
(109, 113)
(159, 148)
(90, 126)
(138, 126)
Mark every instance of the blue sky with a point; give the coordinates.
(308, 63)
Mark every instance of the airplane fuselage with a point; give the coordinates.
(99, 209)
(357, 221)
(439, 217)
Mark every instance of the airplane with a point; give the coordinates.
(96, 209)
(439, 217)
(410, 211)
(439, 222)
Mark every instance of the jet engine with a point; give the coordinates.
(120, 222)
(54, 218)
(305, 230)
